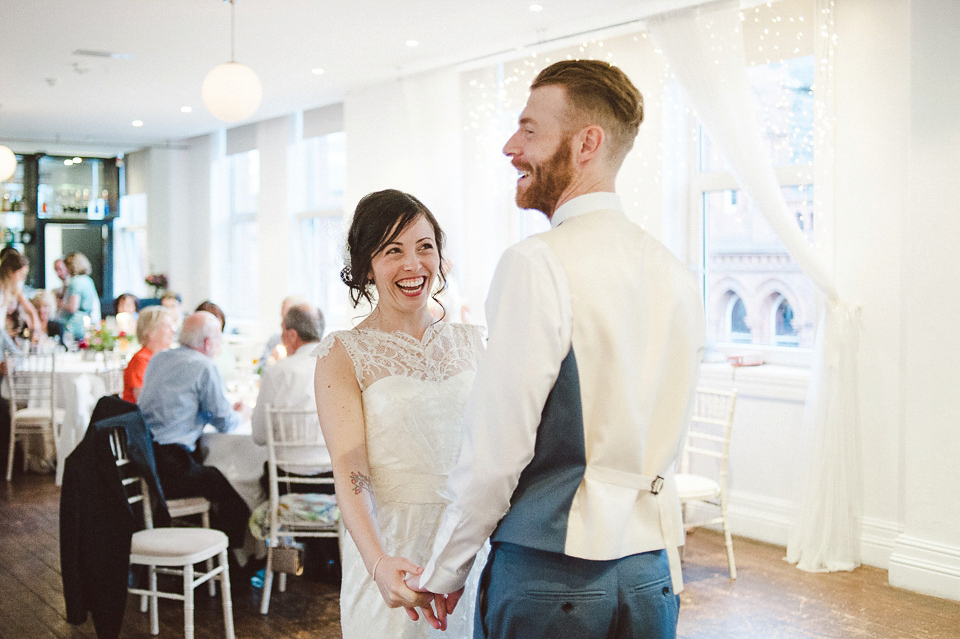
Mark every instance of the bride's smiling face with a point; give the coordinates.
(405, 270)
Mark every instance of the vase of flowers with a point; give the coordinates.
(100, 340)
(159, 283)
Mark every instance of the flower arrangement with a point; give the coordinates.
(103, 339)
(158, 281)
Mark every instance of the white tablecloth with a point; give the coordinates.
(240, 460)
(77, 387)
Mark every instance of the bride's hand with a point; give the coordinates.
(437, 616)
(390, 574)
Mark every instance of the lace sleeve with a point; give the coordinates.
(323, 349)
(345, 339)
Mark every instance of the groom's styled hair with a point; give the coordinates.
(601, 94)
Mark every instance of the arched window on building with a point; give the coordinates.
(785, 334)
(737, 330)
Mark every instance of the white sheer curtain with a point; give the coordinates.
(704, 48)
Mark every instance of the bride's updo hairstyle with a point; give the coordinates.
(379, 219)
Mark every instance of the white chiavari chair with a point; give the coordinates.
(702, 480)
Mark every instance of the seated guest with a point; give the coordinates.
(226, 359)
(155, 334)
(272, 352)
(46, 305)
(289, 384)
(214, 310)
(125, 303)
(182, 392)
(173, 302)
(125, 310)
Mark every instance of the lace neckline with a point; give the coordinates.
(444, 351)
(423, 341)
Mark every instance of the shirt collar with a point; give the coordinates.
(601, 200)
(306, 348)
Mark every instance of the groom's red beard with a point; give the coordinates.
(548, 180)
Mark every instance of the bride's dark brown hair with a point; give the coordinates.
(379, 219)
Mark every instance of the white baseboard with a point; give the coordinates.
(926, 567)
(770, 520)
(877, 539)
(912, 563)
(762, 518)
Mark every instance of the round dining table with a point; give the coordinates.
(77, 387)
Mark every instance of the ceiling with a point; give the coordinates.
(54, 100)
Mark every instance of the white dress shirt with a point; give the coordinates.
(288, 384)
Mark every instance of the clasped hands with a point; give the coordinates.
(399, 582)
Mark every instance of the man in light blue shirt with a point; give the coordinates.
(183, 392)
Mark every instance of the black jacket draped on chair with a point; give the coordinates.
(97, 522)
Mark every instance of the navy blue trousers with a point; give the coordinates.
(533, 594)
(183, 475)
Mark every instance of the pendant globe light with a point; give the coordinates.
(8, 163)
(232, 91)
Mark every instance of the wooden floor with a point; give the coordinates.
(769, 600)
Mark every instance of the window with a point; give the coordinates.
(242, 290)
(737, 329)
(319, 233)
(782, 320)
(774, 303)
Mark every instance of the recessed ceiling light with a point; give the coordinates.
(77, 160)
(186, 109)
(91, 53)
(68, 162)
(317, 71)
(536, 7)
(412, 43)
(137, 123)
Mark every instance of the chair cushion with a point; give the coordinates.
(173, 543)
(186, 506)
(696, 487)
(296, 509)
(38, 415)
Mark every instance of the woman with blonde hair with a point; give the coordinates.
(155, 334)
(46, 305)
(80, 299)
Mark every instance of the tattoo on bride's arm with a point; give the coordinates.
(360, 483)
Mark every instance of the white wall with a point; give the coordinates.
(405, 134)
(872, 110)
(927, 556)
(160, 173)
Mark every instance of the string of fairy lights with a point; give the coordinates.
(795, 111)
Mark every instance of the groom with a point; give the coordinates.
(574, 424)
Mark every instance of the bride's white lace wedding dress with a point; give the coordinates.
(413, 398)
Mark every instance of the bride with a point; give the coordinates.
(390, 395)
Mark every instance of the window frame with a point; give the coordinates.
(315, 204)
(699, 183)
(242, 315)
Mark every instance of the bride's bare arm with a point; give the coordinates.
(340, 408)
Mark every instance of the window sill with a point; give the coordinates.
(767, 381)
